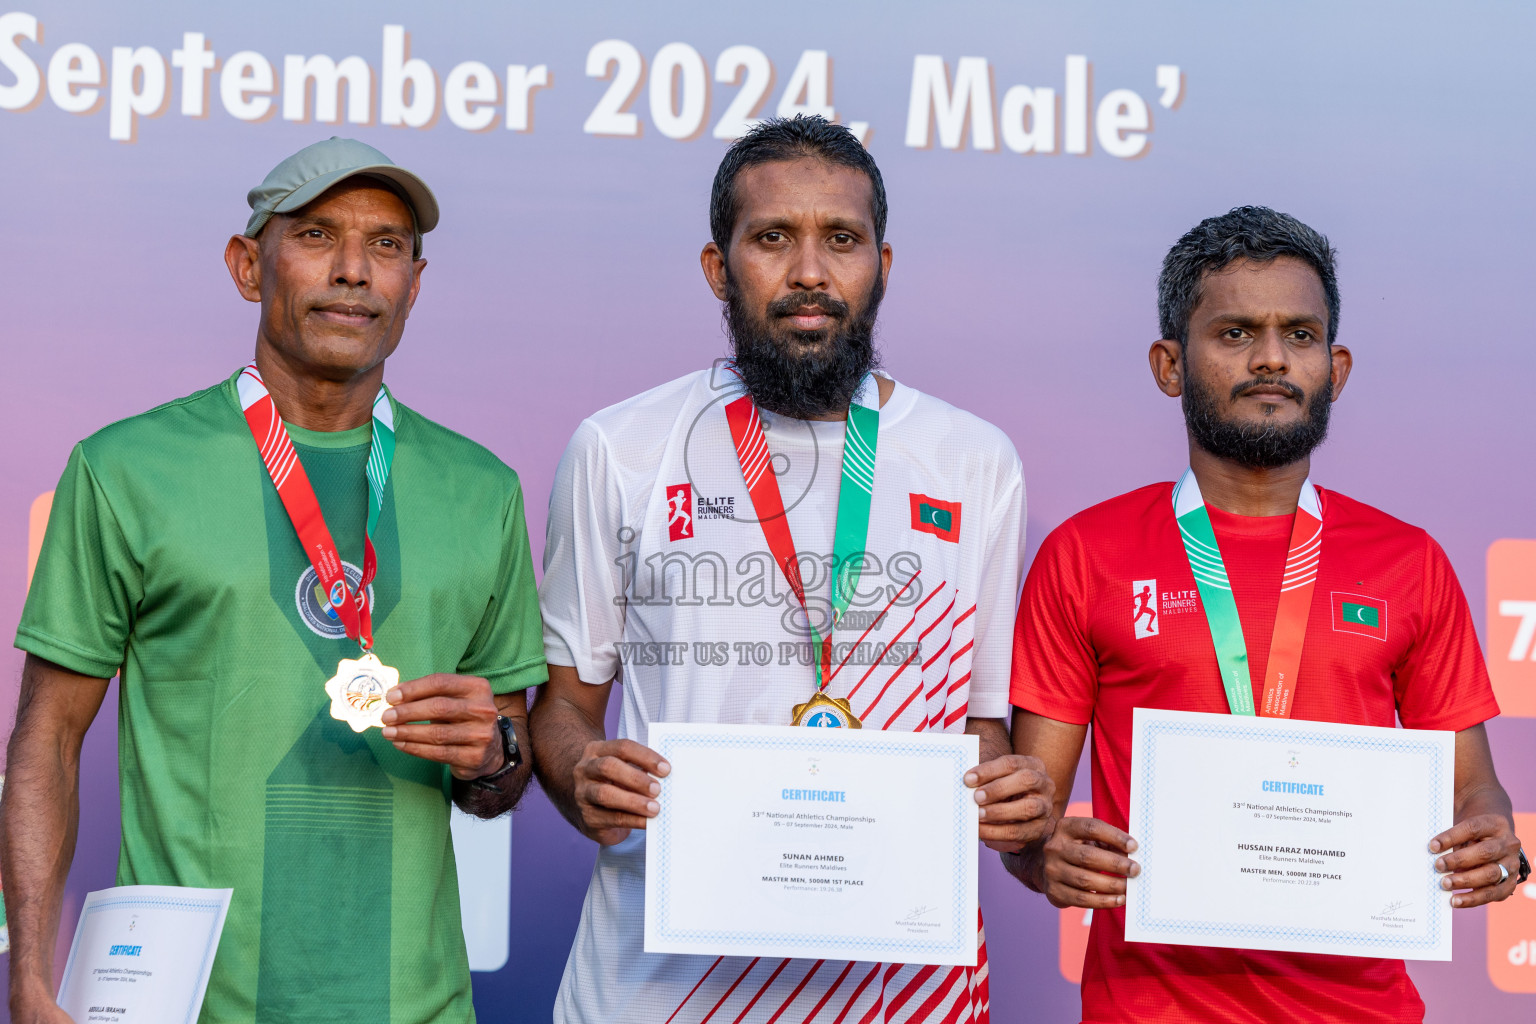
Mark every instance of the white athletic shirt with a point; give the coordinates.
(656, 572)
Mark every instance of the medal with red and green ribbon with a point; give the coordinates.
(357, 690)
(854, 496)
(298, 497)
(1296, 586)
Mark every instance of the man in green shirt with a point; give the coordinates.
(173, 561)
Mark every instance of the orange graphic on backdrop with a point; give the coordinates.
(37, 525)
(1512, 625)
(1074, 921)
(1512, 929)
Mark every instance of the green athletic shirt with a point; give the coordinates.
(169, 556)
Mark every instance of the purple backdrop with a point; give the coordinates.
(564, 276)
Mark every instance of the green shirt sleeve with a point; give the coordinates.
(508, 647)
(86, 591)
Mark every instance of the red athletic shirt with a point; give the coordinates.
(1085, 650)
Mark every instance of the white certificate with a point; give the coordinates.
(834, 844)
(1270, 833)
(142, 954)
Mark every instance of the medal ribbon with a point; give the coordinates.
(298, 497)
(853, 504)
(1296, 586)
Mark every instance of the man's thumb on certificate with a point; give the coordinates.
(617, 788)
(1085, 864)
(1015, 793)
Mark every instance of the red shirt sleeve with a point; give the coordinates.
(1443, 682)
(1055, 670)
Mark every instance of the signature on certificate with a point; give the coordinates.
(1392, 908)
(916, 914)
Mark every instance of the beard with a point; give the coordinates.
(803, 374)
(1256, 445)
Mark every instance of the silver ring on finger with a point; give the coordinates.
(1503, 874)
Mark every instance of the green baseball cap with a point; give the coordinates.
(304, 176)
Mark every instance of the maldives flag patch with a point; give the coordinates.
(1356, 613)
(940, 518)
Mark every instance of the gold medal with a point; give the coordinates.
(823, 712)
(357, 691)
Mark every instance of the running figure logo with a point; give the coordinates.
(1144, 603)
(679, 511)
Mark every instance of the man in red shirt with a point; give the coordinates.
(1248, 304)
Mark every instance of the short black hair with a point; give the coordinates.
(1244, 233)
(789, 138)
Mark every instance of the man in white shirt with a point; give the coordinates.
(694, 533)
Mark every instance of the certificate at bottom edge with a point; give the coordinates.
(1287, 835)
(816, 843)
(143, 953)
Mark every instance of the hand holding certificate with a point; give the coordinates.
(142, 954)
(824, 843)
(1270, 833)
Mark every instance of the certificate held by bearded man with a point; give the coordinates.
(834, 844)
(1273, 833)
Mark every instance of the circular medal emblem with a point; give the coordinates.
(364, 691)
(821, 718)
(317, 608)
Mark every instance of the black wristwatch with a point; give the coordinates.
(510, 749)
(1525, 868)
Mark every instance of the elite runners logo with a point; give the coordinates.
(1144, 608)
(315, 606)
(680, 511)
(716, 508)
(1356, 613)
(940, 518)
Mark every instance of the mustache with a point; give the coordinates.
(361, 301)
(792, 305)
(1270, 382)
